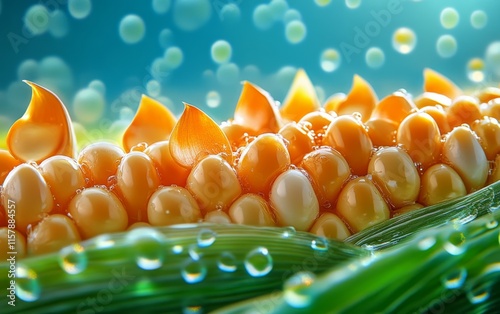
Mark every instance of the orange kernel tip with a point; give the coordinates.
(195, 136)
(301, 98)
(44, 130)
(437, 83)
(152, 123)
(256, 110)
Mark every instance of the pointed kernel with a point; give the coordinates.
(99, 161)
(256, 110)
(44, 130)
(195, 136)
(301, 98)
(437, 83)
(213, 183)
(261, 162)
(361, 205)
(6, 241)
(329, 225)
(440, 183)
(7, 163)
(329, 171)
(419, 135)
(463, 109)
(33, 200)
(394, 173)
(136, 180)
(488, 130)
(251, 209)
(64, 177)
(172, 205)
(300, 141)
(432, 99)
(394, 107)
(170, 172)
(52, 234)
(462, 151)
(439, 115)
(217, 217)
(347, 135)
(382, 132)
(152, 123)
(293, 199)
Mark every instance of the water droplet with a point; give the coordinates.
(374, 57)
(148, 246)
(289, 231)
(479, 292)
(446, 46)
(206, 237)
(456, 243)
(193, 271)
(492, 223)
(193, 309)
(478, 19)
(213, 99)
(319, 244)
(293, 289)
(258, 262)
(455, 279)
(194, 252)
(73, 259)
(221, 51)
(103, 241)
(426, 243)
(227, 262)
(404, 40)
(27, 285)
(177, 249)
(295, 31)
(449, 18)
(132, 29)
(330, 60)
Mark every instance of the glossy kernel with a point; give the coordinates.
(7, 163)
(406, 209)
(52, 234)
(394, 107)
(488, 130)
(251, 209)
(99, 161)
(172, 205)
(300, 141)
(430, 99)
(464, 109)
(10, 237)
(329, 225)
(439, 115)
(170, 172)
(317, 121)
(440, 183)
(97, 211)
(382, 132)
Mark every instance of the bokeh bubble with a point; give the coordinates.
(132, 29)
(37, 19)
(56, 75)
(278, 8)
(213, 99)
(295, 32)
(292, 15)
(58, 25)
(160, 68)
(228, 73)
(492, 57)
(154, 88)
(449, 18)
(352, 4)
(99, 86)
(475, 70)
(126, 114)
(221, 51)
(28, 70)
(375, 57)
(230, 13)
(251, 73)
(322, 3)
(404, 40)
(88, 106)
(165, 38)
(446, 46)
(167, 102)
(263, 17)
(285, 76)
(478, 19)
(174, 57)
(190, 15)
(161, 6)
(79, 9)
(330, 60)
(18, 97)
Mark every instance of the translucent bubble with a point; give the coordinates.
(37, 19)
(177, 249)
(132, 29)
(352, 4)
(165, 38)
(148, 246)
(213, 99)
(174, 57)
(228, 73)
(293, 289)
(258, 262)
(456, 243)
(292, 15)
(449, 18)
(426, 243)
(295, 32)
(73, 259)
(126, 114)
(475, 70)
(322, 3)
(330, 60)
(153, 88)
(193, 271)
(88, 106)
(230, 13)
(28, 70)
(319, 244)
(251, 73)
(492, 57)
(58, 25)
(404, 40)
(278, 8)
(478, 19)
(27, 285)
(79, 9)
(102, 241)
(99, 86)
(160, 68)
(161, 6)
(479, 292)
(227, 262)
(190, 15)
(455, 279)
(263, 17)
(221, 51)
(375, 57)
(193, 309)
(446, 46)
(206, 237)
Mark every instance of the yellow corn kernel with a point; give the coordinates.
(300, 141)
(251, 209)
(463, 109)
(406, 209)
(9, 237)
(168, 169)
(329, 225)
(440, 183)
(217, 217)
(394, 107)
(488, 130)
(99, 162)
(382, 132)
(430, 99)
(439, 115)
(7, 163)
(52, 234)
(172, 205)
